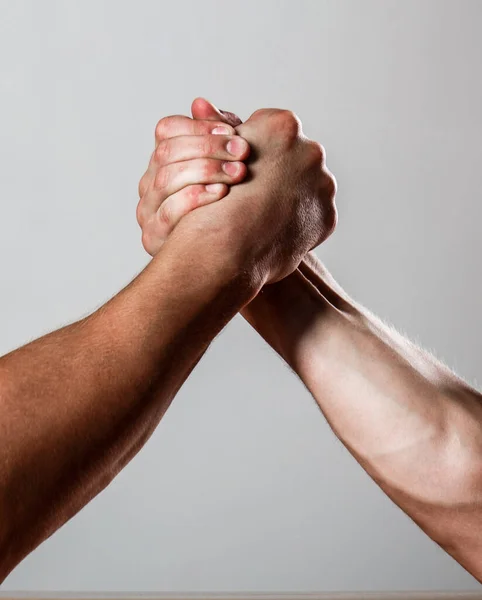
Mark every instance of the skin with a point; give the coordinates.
(412, 424)
(77, 404)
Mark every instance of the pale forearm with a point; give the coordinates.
(77, 404)
(413, 425)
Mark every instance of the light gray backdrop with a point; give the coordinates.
(243, 486)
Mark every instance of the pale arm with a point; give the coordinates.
(77, 404)
(412, 424)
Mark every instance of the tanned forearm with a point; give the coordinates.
(412, 424)
(77, 404)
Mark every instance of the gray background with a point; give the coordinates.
(243, 486)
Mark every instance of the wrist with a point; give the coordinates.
(203, 251)
(219, 247)
(284, 313)
(292, 315)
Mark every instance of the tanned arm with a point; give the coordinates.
(77, 404)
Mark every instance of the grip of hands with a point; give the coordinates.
(197, 176)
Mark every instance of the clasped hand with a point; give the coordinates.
(263, 182)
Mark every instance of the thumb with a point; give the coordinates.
(203, 109)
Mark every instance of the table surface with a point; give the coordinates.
(245, 596)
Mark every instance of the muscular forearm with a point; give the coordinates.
(77, 404)
(413, 425)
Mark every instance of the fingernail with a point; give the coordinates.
(214, 188)
(231, 148)
(231, 168)
(221, 131)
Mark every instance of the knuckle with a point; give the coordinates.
(165, 214)
(143, 185)
(193, 192)
(161, 180)
(160, 131)
(288, 124)
(262, 112)
(208, 168)
(331, 185)
(288, 115)
(165, 126)
(317, 152)
(289, 118)
(139, 214)
(146, 241)
(163, 151)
